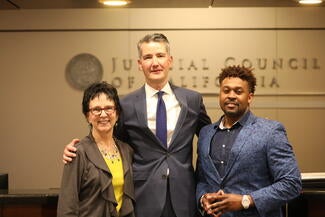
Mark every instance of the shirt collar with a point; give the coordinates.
(241, 121)
(150, 92)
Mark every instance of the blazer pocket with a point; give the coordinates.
(138, 176)
(139, 179)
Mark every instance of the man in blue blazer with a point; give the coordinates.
(246, 166)
(163, 173)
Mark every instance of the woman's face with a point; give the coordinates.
(102, 114)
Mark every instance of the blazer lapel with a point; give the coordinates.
(209, 163)
(95, 156)
(240, 142)
(123, 152)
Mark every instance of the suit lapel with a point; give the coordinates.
(182, 99)
(141, 112)
(141, 108)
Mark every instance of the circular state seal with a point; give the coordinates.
(83, 70)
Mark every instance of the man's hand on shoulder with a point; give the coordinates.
(69, 151)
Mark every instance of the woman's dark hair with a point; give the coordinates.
(94, 90)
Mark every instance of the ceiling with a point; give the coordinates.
(75, 4)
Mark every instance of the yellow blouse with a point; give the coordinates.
(116, 167)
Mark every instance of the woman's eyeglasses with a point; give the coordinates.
(98, 110)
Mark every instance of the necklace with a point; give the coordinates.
(112, 155)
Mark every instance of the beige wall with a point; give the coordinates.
(40, 112)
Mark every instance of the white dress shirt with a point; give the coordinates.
(172, 109)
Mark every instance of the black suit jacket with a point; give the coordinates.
(152, 158)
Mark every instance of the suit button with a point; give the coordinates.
(164, 176)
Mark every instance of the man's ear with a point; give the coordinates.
(139, 65)
(250, 98)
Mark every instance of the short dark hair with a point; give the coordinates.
(97, 88)
(155, 37)
(241, 72)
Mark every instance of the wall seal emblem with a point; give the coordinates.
(83, 70)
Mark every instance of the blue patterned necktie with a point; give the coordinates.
(161, 119)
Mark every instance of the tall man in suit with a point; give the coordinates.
(246, 166)
(163, 173)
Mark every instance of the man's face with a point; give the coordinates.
(155, 63)
(234, 98)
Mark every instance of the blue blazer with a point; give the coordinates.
(152, 158)
(261, 164)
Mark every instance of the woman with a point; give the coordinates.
(99, 182)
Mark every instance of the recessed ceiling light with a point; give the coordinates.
(113, 3)
(310, 1)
